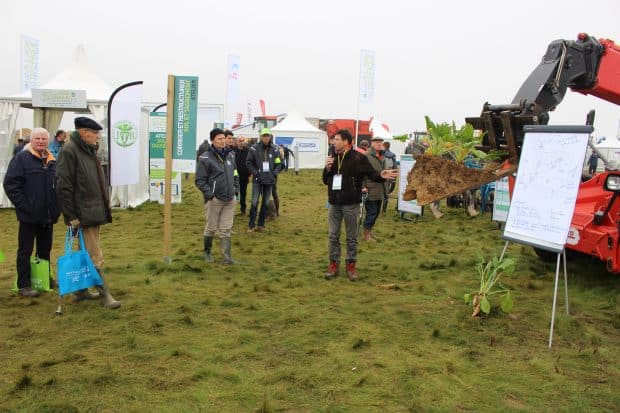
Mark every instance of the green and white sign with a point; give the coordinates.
(184, 123)
(157, 162)
(501, 200)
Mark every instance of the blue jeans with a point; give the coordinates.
(257, 191)
(372, 212)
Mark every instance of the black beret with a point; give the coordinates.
(88, 123)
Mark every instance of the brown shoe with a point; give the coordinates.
(373, 236)
(367, 236)
(260, 229)
(351, 271)
(29, 292)
(332, 271)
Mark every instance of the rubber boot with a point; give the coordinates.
(435, 210)
(225, 246)
(472, 211)
(352, 271)
(208, 241)
(104, 292)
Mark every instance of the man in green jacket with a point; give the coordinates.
(82, 194)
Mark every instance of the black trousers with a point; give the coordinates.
(243, 191)
(27, 235)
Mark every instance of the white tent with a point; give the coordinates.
(78, 76)
(311, 143)
(378, 130)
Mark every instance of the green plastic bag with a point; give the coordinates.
(39, 274)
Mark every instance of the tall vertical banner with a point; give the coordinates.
(367, 76)
(232, 85)
(124, 134)
(185, 114)
(29, 63)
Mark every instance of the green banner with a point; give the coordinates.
(157, 135)
(184, 124)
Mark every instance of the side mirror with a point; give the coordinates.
(612, 183)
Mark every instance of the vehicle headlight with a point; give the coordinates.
(612, 183)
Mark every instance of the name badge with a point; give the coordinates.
(337, 183)
(265, 166)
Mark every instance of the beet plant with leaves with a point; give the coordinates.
(489, 274)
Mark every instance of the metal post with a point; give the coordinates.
(565, 283)
(504, 250)
(296, 153)
(555, 298)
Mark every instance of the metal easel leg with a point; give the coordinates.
(59, 309)
(555, 297)
(501, 257)
(565, 283)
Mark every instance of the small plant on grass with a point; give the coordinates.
(489, 274)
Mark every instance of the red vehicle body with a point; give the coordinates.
(331, 126)
(589, 66)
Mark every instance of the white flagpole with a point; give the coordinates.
(359, 88)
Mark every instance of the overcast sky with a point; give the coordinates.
(439, 58)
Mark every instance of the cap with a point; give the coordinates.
(265, 131)
(364, 144)
(377, 138)
(88, 123)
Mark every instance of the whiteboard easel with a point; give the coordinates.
(543, 201)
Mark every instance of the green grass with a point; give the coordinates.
(272, 335)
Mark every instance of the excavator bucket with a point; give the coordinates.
(434, 178)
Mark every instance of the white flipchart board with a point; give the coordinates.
(543, 201)
(406, 164)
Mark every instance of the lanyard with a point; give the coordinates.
(341, 159)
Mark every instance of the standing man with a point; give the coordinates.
(241, 155)
(57, 142)
(264, 164)
(389, 162)
(343, 175)
(216, 177)
(592, 163)
(29, 183)
(376, 190)
(230, 140)
(83, 196)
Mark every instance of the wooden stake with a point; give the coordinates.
(168, 177)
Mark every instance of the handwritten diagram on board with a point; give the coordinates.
(548, 179)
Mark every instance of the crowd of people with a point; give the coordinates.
(48, 177)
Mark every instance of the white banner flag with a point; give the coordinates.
(232, 94)
(29, 63)
(124, 132)
(367, 76)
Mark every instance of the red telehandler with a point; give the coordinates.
(589, 66)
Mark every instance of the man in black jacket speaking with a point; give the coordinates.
(343, 175)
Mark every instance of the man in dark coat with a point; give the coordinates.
(241, 155)
(83, 196)
(343, 174)
(264, 164)
(30, 185)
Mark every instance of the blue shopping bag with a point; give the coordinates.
(75, 269)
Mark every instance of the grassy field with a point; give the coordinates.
(272, 335)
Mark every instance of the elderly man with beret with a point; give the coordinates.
(82, 195)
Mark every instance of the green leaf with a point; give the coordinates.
(506, 304)
(485, 305)
(467, 298)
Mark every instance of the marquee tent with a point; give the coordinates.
(78, 76)
(311, 143)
